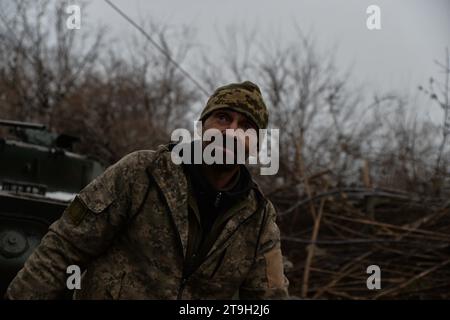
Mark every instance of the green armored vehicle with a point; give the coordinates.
(39, 176)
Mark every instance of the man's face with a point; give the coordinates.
(224, 119)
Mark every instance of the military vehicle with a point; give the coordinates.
(39, 176)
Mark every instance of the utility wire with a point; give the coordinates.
(158, 47)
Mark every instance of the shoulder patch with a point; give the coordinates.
(76, 211)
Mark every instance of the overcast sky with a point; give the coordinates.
(399, 56)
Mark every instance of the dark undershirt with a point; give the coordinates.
(212, 202)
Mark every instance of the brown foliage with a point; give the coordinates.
(361, 181)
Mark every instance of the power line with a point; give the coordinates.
(158, 47)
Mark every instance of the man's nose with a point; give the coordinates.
(233, 125)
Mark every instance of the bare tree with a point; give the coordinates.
(73, 81)
(439, 92)
(42, 61)
(351, 166)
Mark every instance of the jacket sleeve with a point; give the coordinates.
(84, 231)
(266, 279)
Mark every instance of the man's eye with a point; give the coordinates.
(248, 126)
(222, 117)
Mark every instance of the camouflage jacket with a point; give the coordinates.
(128, 231)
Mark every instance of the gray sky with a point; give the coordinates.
(399, 56)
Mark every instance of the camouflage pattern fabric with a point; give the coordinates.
(128, 232)
(243, 97)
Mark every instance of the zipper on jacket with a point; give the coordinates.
(181, 287)
(217, 201)
(188, 271)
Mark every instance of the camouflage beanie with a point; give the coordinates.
(242, 97)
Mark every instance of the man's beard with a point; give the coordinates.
(223, 167)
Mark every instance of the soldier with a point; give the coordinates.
(150, 229)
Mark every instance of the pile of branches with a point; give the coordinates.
(331, 237)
